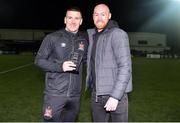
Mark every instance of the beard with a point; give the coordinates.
(100, 25)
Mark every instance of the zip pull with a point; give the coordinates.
(96, 98)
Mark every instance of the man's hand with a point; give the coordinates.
(68, 66)
(111, 104)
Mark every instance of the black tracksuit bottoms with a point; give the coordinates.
(60, 108)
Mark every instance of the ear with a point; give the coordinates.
(64, 20)
(81, 21)
(109, 15)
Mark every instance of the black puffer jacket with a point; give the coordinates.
(54, 50)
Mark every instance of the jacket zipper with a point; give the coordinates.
(70, 78)
(68, 93)
(96, 72)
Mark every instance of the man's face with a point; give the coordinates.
(101, 16)
(73, 20)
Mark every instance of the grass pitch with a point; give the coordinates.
(155, 96)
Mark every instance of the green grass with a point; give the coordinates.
(20, 90)
(156, 90)
(155, 96)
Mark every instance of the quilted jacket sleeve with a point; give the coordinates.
(42, 58)
(120, 44)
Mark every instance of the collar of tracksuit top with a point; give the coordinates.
(71, 35)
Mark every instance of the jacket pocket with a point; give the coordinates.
(57, 81)
(109, 63)
(75, 84)
(106, 76)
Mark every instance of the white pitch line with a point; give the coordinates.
(16, 68)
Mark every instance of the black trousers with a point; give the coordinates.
(60, 108)
(101, 115)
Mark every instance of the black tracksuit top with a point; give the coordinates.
(56, 48)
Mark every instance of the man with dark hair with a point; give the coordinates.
(108, 68)
(60, 56)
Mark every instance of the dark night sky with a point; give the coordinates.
(162, 16)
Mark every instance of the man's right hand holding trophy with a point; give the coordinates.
(68, 66)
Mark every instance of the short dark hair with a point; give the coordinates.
(74, 8)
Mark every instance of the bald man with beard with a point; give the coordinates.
(109, 72)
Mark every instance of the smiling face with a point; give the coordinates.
(101, 16)
(73, 20)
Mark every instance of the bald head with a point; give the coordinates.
(102, 6)
(101, 16)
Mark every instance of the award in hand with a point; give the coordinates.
(76, 56)
(76, 59)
